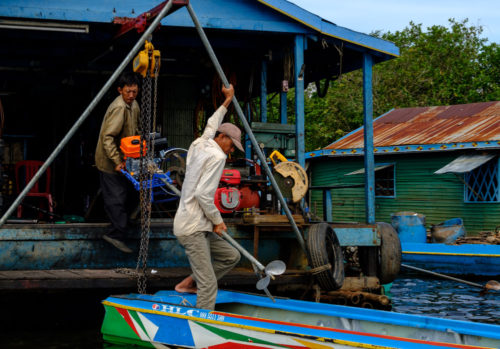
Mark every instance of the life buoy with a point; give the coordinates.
(383, 261)
(325, 256)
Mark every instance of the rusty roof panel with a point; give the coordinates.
(464, 110)
(402, 115)
(474, 122)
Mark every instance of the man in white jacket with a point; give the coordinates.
(198, 223)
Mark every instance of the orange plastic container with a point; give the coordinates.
(131, 147)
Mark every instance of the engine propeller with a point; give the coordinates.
(276, 267)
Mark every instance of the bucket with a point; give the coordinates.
(410, 226)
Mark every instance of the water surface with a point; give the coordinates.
(72, 319)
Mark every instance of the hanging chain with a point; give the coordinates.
(146, 173)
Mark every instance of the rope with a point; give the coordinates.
(321, 269)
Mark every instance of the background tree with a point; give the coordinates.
(439, 66)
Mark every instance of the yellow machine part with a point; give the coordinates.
(146, 60)
(294, 177)
(276, 154)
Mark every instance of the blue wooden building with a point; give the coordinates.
(55, 56)
(441, 162)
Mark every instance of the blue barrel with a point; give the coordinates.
(410, 226)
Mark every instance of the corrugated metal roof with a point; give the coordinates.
(465, 163)
(362, 170)
(476, 122)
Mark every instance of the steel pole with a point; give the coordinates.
(442, 275)
(248, 130)
(243, 251)
(369, 158)
(86, 113)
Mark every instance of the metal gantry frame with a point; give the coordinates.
(300, 42)
(225, 81)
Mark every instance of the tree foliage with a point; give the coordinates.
(437, 66)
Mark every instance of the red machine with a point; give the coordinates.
(233, 194)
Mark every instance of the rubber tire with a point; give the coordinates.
(324, 247)
(389, 262)
(385, 259)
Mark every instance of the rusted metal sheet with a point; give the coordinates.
(476, 122)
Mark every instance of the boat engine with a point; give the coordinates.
(234, 195)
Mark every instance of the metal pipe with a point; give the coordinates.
(86, 113)
(243, 251)
(248, 130)
(299, 97)
(443, 276)
(368, 138)
(171, 187)
(248, 146)
(263, 91)
(283, 107)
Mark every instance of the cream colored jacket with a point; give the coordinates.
(204, 165)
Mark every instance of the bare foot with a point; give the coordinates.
(185, 290)
(186, 286)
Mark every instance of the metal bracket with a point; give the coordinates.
(141, 22)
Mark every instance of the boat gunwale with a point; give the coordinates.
(297, 334)
(370, 315)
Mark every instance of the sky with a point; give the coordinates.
(367, 16)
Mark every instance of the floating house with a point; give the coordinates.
(56, 57)
(441, 162)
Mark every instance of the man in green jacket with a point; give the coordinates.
(121, 120)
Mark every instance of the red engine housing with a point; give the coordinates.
(231, 196)
(230, 177)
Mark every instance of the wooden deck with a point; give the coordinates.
(124, 278)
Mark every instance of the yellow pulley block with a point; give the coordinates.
(290, 177)
(146, 60)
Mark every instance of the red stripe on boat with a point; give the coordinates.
(402, 339)
(128, 319)
(233, 345)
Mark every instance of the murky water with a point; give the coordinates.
(73, 319)
(444, 298)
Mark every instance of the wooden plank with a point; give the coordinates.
(28, 274)
(272, 219)
(125, 278)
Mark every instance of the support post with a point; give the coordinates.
(299, 98)
(283, 107)
(327, 205)
(248, 130)
(87, 111)
(368, 139)
(248, 144)
(263, 91)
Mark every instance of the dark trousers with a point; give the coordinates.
(120, 199)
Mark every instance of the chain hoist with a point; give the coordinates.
(146, 63)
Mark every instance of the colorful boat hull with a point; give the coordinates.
(250, 321)
(465, 259)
